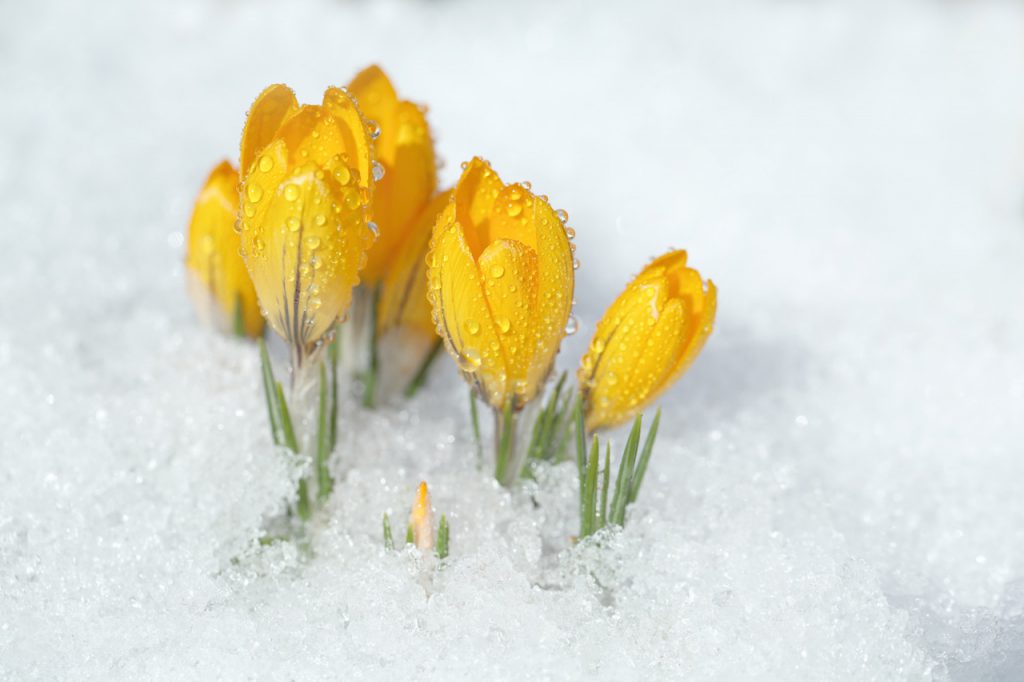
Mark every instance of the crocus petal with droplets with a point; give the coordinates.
(212, 257)
(646, 340)
(305, 215)
(403, 298)
(500, 274)
(405, 149)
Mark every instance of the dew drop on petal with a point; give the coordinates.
(291, 192)
(472, 327)
(266, 163)
(572, 325)
(378, 171)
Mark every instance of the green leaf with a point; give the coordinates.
(268, 391)
(303, 507)
(389, 542)
(475, 419)
(442, 538)
(624, 478)
(324, 481)
(370, 386)
(589, 505)
(409, 537)
(333, 355)
(421, 374)
(286, 420)
(645, 457)
(605, 478)
(581, 450)
(506, 427)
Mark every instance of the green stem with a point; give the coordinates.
(602, 519)
(370, 385)
(421, 374)
(389, 541)
(504, 431)
(333, 354)
(267, 373)
(475, 419)
(589, 516)
(324, 482)
(442, 538)
(645, 457)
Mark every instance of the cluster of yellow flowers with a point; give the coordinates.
(343, 194)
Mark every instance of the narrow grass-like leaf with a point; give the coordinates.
(409, 537)
(645, 457)
(421, 374)
(323, 441)
(622, 481)
(442, 538)
(389, 541)
(333, 355)
(505, 430)
(581, 449)
(286, 420)
(370, 385)
(303, 507)
(268, 392)
(605, 479)
(587, 521)
(475, 419)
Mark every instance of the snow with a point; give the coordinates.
(836, 490)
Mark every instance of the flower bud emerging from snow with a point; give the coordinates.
(500, 279)
(219, 281)
(305, 218)
(646, 340)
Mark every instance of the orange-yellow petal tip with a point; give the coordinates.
(421, 519)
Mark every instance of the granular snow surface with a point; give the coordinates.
(836, 491)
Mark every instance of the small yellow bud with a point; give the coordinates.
(422, 519)
(646, 340)
(217, 272)
(305, 209)
(500, 280)
(405, 149)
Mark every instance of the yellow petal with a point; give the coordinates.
(378, 100)
(268, 112)
(212, 254)
(509, 270)
(645, 341)
(474, 198)
(406, 151)
(462, 315)
(358, 150)
(403, 299)
(304, 250)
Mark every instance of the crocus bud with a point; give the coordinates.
(219, 281)
(500, 280)
(646, 340)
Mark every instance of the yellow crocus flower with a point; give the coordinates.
(406, 151)
(221, 284)
(646, 340)
(421, 519)
(500, 279)
(403, 299)
(305, 217)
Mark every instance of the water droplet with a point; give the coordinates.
(373, 228)
(575, 263)
(254, 192)
(314, 304)
(320, 219)
(497, 271)
(527, 185)
(571, 325)
(266, 163)
(570, 233)
(598, 345)
(562, 215)
(514, 209)
(374, 129)
(503, 324)
(293, 223)
(342, 175)
(472, 327)
(469, 360)
(378, 171)
(291, 192)
(312, 242)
